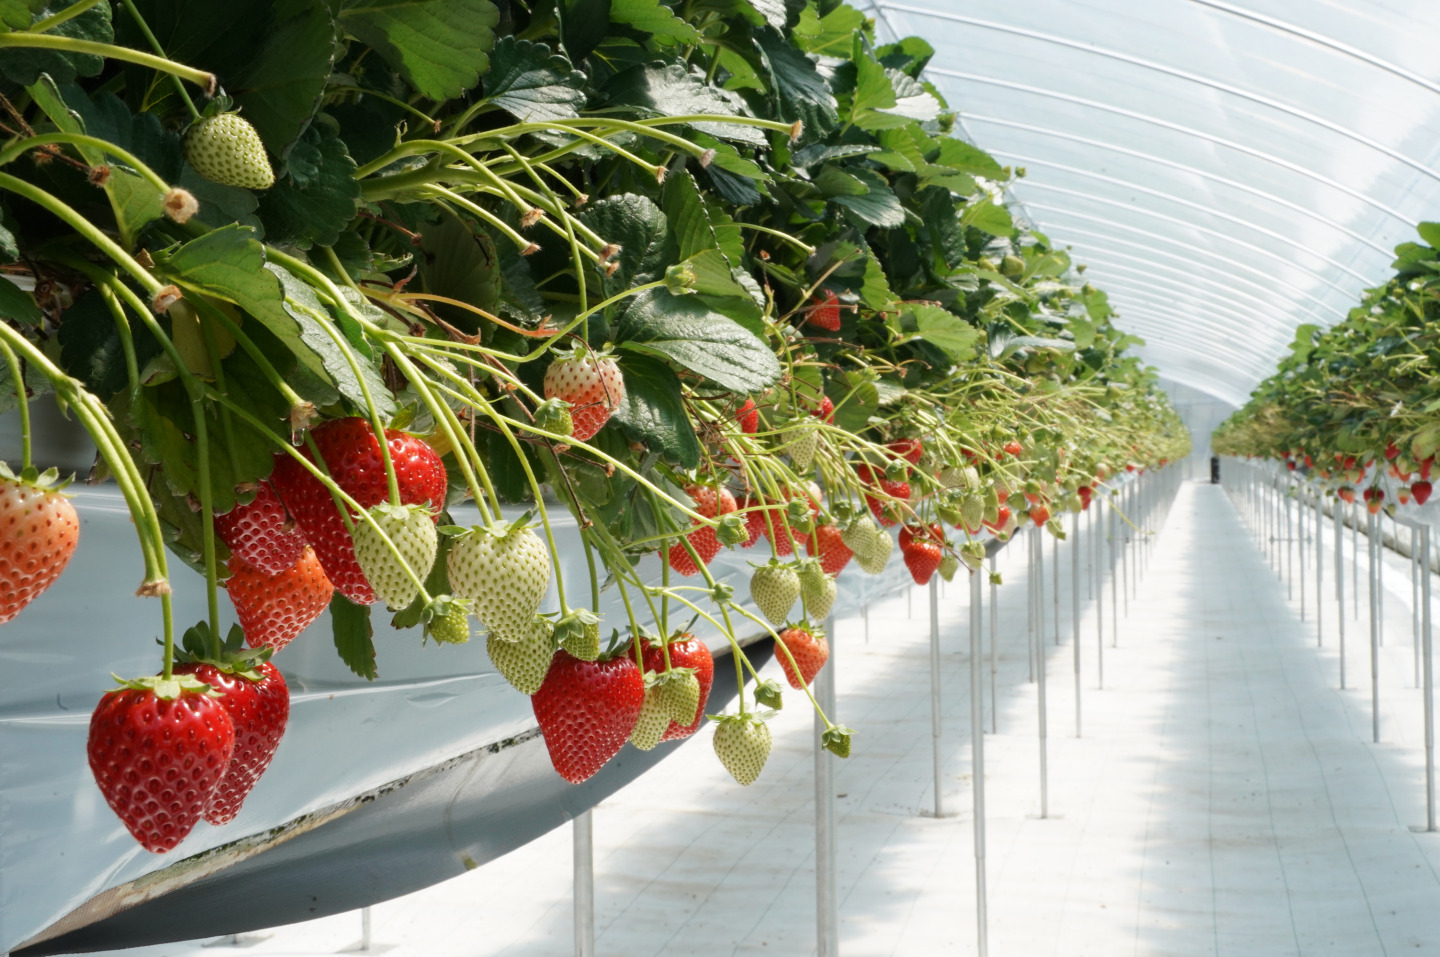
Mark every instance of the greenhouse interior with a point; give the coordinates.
(870, 478)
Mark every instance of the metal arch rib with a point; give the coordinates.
(1144, 300)
(1203, 375)
(1218, 315)
(1177, 73)
(1204, 174)
(1322, 40)
(1141, 266)
(1203, 229)
(1185, 130)
(1239, 370)
(1090, 247)
(1197, 250)
(1182, 202)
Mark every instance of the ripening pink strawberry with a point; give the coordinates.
(593, 386)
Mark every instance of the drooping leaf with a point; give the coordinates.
(24, 66)
(532, 84)
(878, 205)
(654, 412)
(17, 305)
(695, 227)
(989, 216)
(654, 18)
(803, 93)
(440, 47)
(280, 89)
(318, 199)
(687, 332)
(354, 636)
(946, 330)
(585, 24)
(962, 157)
(640, 228)
(654, 89)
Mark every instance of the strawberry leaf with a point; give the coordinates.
(438, 46)
(531, 84)
(695, 337)
(654, 411)
(354, 635)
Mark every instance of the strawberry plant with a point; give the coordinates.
(311, 277)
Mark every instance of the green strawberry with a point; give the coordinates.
(225, 149)
(448, 620)
(505, 569)
(972, 510)
(949, 565)
(411, 530)
(679, 693)
(742, 743)
(654, 717)
(817, 589)
(579, 634)
(774, 587)
(870, 544)
(524, 662)
(803, 447)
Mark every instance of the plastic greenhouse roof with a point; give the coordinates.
(1226, 170)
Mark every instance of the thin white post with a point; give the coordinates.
(1040, 670)
(1415, 597)
(1340, 585)
(1300, 547)
(583, 837)
(994, 650)
(977, 773)
(935, 695)
(1055, 581)
(1429, 680)
(1374, 635)
(1075, 612)
(827, 911)
(1319, 574)
(1114, 577)
(1097, 534)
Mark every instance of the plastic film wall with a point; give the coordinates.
(1228, 171)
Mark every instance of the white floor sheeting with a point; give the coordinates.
(1226, 798)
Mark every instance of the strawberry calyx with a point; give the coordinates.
(199, 646)
(46, 481)
(168, 689)
(836, 740)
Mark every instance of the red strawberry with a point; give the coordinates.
(38, 533)
(1001, 520)
(825, 410)
(586, 710)
(875, 478)
(1039, 514)
(159, 750)
(709, 502)
(920, 546)
(686, 651)
(833, 552)
(809, 649)
(1392, 451)
(824, 312)
(1011, 448)
(754, 521)
(352, 456)
(272, 610)
(748, 415)
(908, 449)
(593, 386)
(259, 710)
(261, 533)
(1425, 467)
(1421, 492)
(1346, 494)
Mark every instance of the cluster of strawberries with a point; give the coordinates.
(1353, 469)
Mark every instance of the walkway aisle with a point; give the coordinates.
(1225, 800)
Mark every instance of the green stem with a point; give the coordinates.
(155, 45)
(17, 376)
(46, 41)
(69, 13)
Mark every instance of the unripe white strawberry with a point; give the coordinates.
(654, 719)
(504, 569)
(742, 743)
(525, 660)
(413, 534)
(591, 384)
(774, 587)
(225, 149)
(817, 590)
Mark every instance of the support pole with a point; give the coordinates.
(935, 695)
(1428, 680)
(583, 837)
(1300, 548)
(1340, 585)
(1075, 554)
(827, 911)
(1415, 598)
(977, 774)
(1374, 635)
(1114, 578)
(1096, 536)
(1040, 670)
(1055, 582)
(1319, 574)
(994, 650)
(367, 937)
(1355, 556)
